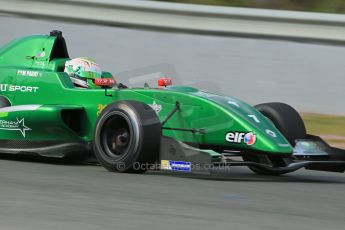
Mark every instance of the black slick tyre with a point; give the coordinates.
(4, 102)
(127, 137)
(287, 120)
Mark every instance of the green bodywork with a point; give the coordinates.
(45, 106)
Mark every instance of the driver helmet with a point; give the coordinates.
(83, 71)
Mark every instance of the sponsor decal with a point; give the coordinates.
(241, 137)
(181, 166)
(165, 165)
(41, 64)
(104, 82)
(100, 108)
(41, 54)
(156, 107)
(18, 125)
(250, 138)
(18, 88)
(29, 73)
(271, 133)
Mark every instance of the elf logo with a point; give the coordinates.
(239, 137)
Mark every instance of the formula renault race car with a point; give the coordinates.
(178, 128)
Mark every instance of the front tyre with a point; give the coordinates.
(127, 137)
(287, 120)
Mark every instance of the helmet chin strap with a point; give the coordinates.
(79, 82)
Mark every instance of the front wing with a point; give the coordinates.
(311, 153)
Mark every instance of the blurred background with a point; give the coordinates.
(326, 6)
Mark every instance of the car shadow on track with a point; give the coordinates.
(245, 175)
(233, 175)
(50, 160)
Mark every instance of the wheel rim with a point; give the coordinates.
(116, 136)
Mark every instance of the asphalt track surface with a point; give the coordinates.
(47, 195)
(44, 194)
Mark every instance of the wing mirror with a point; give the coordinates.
(164, 82)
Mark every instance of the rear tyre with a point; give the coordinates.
(127, 137)
(287, 120)
(4, 102)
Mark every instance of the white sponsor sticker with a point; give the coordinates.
(18, 88)
(239, 137)
(156, 107)
(41, 54)
(181, 166)
(29, 73)
(17, 125)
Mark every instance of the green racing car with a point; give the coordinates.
(180, 128)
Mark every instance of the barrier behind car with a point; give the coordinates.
(187, 18)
